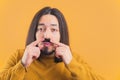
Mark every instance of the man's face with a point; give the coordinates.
(48, 29)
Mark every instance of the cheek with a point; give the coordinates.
(39, 35)
(56, 37)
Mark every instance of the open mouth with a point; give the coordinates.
(47, 44)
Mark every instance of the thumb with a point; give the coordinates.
(40, 45)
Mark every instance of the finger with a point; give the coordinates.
(40, 45)
(36, 52)
(59, 52)
(35, 43)
(57, 43)
(58, 55)
(34, 57)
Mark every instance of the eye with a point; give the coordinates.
(40, 29)
(54, 30)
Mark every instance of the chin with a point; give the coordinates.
(47, 51)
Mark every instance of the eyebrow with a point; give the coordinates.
(42, 24)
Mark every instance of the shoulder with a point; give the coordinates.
(14, 58)
(20, 52)
(17, 55)
(77, 57)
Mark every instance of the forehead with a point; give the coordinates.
(48, 19)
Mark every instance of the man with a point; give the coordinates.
(47, 55)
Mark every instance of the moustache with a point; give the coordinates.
(46, 40)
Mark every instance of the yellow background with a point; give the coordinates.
(94, 27)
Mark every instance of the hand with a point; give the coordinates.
(63, 51)
(31, 53)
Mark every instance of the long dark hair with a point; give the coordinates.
(64, 37)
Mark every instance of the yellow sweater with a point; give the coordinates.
(47, 69)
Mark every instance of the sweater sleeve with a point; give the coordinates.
(13, 69)
(81, 71)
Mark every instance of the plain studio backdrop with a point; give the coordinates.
(94, 27)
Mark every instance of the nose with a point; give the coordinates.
(47, 34)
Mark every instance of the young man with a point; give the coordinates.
(47, 55)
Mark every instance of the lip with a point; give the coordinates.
(47, 44)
